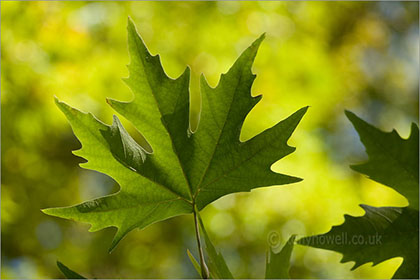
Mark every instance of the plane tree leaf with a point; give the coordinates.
(175, 170)
(383, 232)
(278, 264)
(393, 161)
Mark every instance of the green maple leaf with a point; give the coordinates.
(176, 170)
(383, 232)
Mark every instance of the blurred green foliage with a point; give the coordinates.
(361, 56)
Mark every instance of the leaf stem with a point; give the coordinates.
(205, 274)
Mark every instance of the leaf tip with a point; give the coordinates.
(113, 103)
(304, 109)
(117, 238)
(297, 116)
(47, 211)
(66, 109)
(114, 244)
(349, 114)
(56, 100)
(67, 272)
(256, 44)
(359, 124)
(366, 207)
(353, 118)
(116, 121)
(130, 22)
(297, 179)
(187, 70)
(186, 75)
(60, 212)
(292, 238)
(60, 104)
(194, 262)
(414, 129)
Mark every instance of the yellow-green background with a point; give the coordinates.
(361, 56)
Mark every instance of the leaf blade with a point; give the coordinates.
(217, 265)
(194, 262)
(393, 161)
(382, 233)
(165, 176)
(68, 273)
(278, 264)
